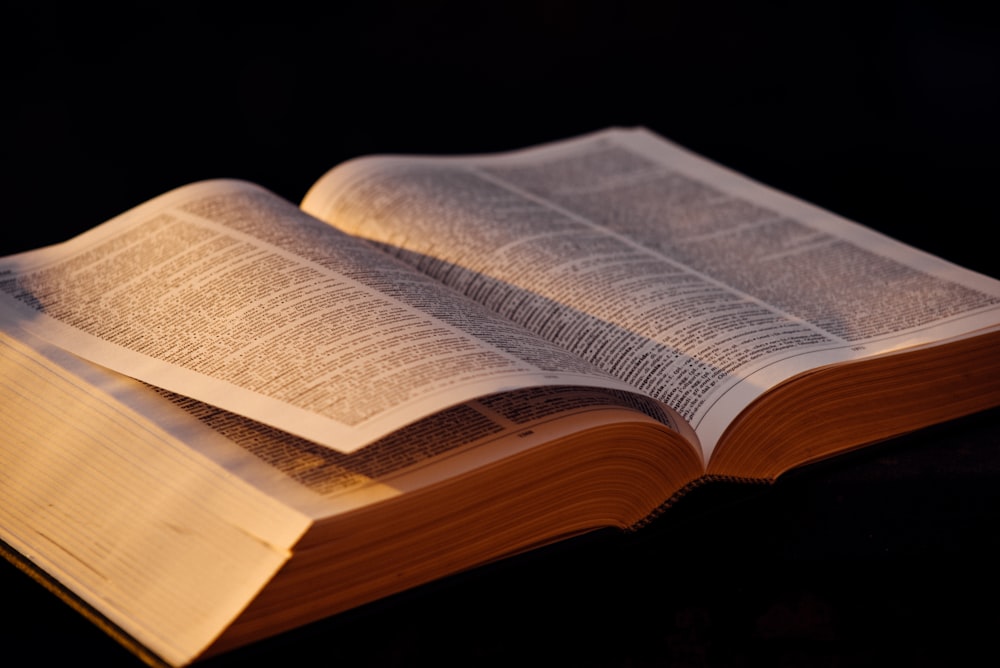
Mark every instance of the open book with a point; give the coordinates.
(225, 415)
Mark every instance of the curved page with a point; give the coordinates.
(226, 293)
(694, 284)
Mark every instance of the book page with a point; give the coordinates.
(690, 282)
(143, 528)
(319, 481)
(226, 293)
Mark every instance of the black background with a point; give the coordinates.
(883, 112)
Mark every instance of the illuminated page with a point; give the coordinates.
(147, 531)
(226, 293)
(688, 281)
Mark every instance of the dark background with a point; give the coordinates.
(883, 112)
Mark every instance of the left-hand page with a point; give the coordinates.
(227, 293)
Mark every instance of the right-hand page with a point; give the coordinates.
(691, 282)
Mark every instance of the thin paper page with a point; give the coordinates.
(164, 544)
(692, 283)
(226, 293)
